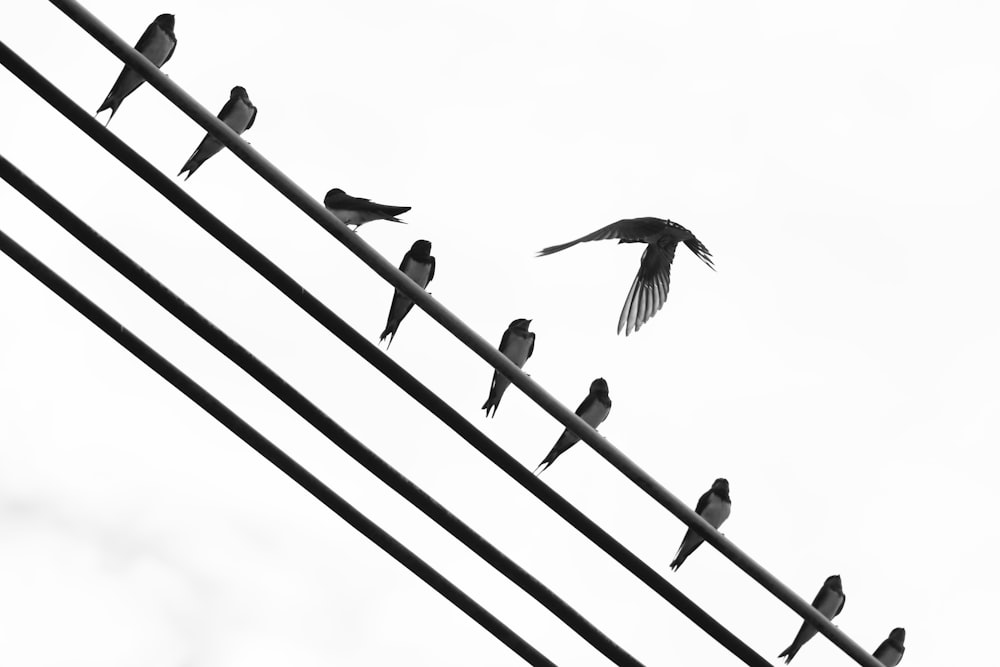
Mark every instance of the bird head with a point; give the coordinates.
(898, 635)
(599, 386)
(421, 249)
(165, 21)
(721, 484)
(240, 92)
(834, 583)
(520, 323)
(333, 194)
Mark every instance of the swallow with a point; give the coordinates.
(157, 44)
(652, 282)
(890, 652)
(594, 410)
(517, 345)
(829, 602)
(238, 113)
(714, 507)
(358, 210)
(418, 264)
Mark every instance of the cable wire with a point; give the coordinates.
(270, 451)
(376, 357)
(315, 210)
(309, 411)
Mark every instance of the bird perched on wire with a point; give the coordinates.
(651, 284)
(714, 507)
(829, 602)
(517, 345)
(157, 44)
(358, 210)
(238, 113)
(594, 410)
(890, 652)
(419, 266)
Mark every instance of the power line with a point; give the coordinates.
(270, 451)
(375, 356)
(294, 193)
(309, 411)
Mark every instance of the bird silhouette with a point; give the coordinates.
(652, 282)
(157, 44)
(517, 345)
(829, 602)
(238, 113)
(358, 210)
(419, 265)
(714, 507)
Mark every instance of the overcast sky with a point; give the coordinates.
(840, 368)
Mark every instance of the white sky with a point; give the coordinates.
(839, 369)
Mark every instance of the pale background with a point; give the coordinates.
(840, 368)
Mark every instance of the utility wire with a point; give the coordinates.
(305, 202)
(311, 412)
(270, 451)
(375, 356)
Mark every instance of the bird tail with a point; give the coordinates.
(542, 467)
(110, 102)
(497, 388)
(208, 147)
(400, 306)
(699, 249)
(789, 653)
(690, 542)
(556, 248)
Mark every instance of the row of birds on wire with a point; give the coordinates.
(645, 298)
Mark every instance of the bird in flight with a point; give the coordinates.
(157, 44)
(651, 284)
(594, 410)
(714, 507)
(829, 602)
(358, 210)
(890, 652)
(238, 113)
(517, 345)
(419, 265)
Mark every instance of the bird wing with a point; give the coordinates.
(147, 38)
(627, 231)
(649, 289)
(703, 502)
(505, 340)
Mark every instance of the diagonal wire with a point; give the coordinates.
(294, 193)
(270, 451)
(375, 356)
(311, 412)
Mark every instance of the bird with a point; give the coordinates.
(652, 282)
(157, 44)
(594, 410)
(714, 507)
(238, 113)
(829, 602)
(890, 652)
(358, 210)
(517, 345)
(419, 265)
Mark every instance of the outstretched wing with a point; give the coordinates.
(649, 289)
(632, 230)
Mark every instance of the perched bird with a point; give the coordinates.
(517, 345)
(651, 284)
(594, 410)
(238, 113)
(829, 602)
(358, 210)
(713, 506)
(419, 266)
(890, 652)
(157, 44)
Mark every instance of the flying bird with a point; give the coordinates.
(238, 113)
(594, 410)
(358, 210)
(714, 507)
(517, 345)
(419, 266)
(652, 282)
(890, 652)
(157, 44)
(829, 602)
